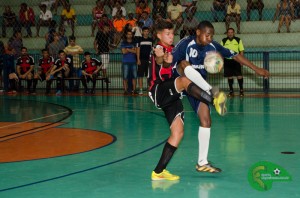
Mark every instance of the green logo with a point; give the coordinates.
(261, 175)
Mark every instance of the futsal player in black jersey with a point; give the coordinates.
(44, 71)
(25, 68)
(90, 71)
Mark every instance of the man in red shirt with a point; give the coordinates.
(26, 16)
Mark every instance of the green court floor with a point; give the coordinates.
(254, 130)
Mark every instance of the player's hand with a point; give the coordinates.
(159, 51)
(263, 72)
(168, 57)
(138, 62)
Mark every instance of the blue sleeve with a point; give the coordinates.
(226, 53)
(179, 51)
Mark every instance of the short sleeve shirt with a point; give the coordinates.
(235, 10)
(69, 14)
(174, 10)
(25, 63)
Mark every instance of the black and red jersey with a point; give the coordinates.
(46, 63)
(25, 63)
(60, 63)
(158, 73)
(90, 67)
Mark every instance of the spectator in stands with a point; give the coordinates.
(90, 68)
(9, 20)
(232, 67)
(131, 20)
(56, 46)
(102, 46)
(109, 3)
(106, 20)
(62, 36)
(25, 68)
(68, 17)
(15, 43)
(27, 18)
(119, 24)
(44, 19)
(285, 11)
(97, 13)
(63, 3)
(48, 3)
(10, 78)
(46, 63)
(219, 6)
(117, 8)
(296, 4)
(233, 14)
(189, 26)
(148, 22)
(175, 15)
(189, 6)
(49, 37)
(137, 31)
(129, 62)
(158, 9)
(73, 51)
(142, 7)
(255, 4)
(144, 49)
(61, 70)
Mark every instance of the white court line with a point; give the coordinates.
(33, 120)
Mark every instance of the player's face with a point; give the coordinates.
(205, 36)
(87, 57)
(62, 56)
(45, 54)
(230, 34)
(166, 36)
(145, 33)
(24, 52)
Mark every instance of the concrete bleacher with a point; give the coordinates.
(255, 34)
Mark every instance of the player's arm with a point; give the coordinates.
(30, 70)
(244, 61)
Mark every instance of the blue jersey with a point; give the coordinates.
(187, 49)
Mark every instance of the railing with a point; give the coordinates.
(284, 67)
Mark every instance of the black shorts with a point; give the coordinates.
(232, 68)
(166, 97)
(143, 69)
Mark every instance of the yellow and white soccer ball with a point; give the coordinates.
(213, 62)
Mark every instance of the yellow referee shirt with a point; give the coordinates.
(235, 44)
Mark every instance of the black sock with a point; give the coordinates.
(166, 156)
(230, 83)
(29, 83)
(241, 83)
(34, 84)
(199, 94)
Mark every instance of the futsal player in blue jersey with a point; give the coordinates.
(188, 55)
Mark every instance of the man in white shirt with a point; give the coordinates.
(175, 14)
(44, 19)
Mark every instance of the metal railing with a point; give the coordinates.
(284, 67)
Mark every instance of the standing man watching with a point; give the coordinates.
(231, 67)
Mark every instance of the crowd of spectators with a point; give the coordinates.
(116, 23)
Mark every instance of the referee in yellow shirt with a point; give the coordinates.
(231, 67)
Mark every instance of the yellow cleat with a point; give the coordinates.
(164, 175)
(220, 103)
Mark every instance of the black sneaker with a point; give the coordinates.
(93, 91)
(86, 91)
(135, 92)
(207, 168)
(241, 93)
(231, 94)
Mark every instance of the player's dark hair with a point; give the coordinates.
(145, 28)
(163, 24)
(61, 51)
(24, 48)
(72, 38)
(230, 29)
(44, 50)
(205, 24)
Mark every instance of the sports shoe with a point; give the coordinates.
(93, 91)
(231, 94)
(241, 93)
(164, 175)
(141, 92)
(207, 168)
(135, 92)
(58, 93)
(220, 103)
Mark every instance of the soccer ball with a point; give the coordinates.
(213, 62)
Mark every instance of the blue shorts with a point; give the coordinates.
(195, 103)
(129, 70)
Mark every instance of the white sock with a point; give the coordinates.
(196, 78)
(203, 139)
